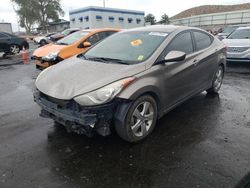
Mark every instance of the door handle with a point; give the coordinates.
(195, 62)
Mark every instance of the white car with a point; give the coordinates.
(238, 45)
(42, 40)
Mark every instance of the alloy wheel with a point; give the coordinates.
(14, 49)
(142, 118)
(218, 79)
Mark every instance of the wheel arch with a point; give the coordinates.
(153, 91)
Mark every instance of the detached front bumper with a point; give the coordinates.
(42, 64)
(78, 119)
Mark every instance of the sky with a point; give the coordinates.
(156, 7)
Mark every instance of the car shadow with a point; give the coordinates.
(238, 68)
(105, 161)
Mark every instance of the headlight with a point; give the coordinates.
(51, 56)
(103, 95)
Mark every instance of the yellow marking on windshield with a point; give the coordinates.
(140, 58)
(136, 42)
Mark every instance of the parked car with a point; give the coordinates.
(66, 47)
(238, 45)
(42, 40)
(226, 31)
(12, 44)
(64, 33)
(131, 79)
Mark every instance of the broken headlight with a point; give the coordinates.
(104, 94)
(51, 56)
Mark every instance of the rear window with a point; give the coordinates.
(202, 40)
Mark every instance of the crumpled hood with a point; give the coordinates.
(76, 76)
(237, 42)
(45, 50)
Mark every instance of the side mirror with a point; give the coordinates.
(175, 56)
(84, 45)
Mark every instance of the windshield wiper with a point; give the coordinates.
(108, 60)
(61, 43)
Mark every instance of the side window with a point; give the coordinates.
(110, 33)
(93, 39)
(102, 35)
(2, 36)
(182, 42)
(202, 40)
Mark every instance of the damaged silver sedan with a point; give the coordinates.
(130, 80)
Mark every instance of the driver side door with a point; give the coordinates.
(180, 78)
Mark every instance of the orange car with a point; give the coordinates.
(68, 46)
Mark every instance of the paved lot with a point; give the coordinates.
(205, 142)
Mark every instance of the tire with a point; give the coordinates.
(140, 120)
(217, 81)
(14, 49)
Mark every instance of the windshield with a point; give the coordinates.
(65, 32)
(129, 47)
(74, 37)
(229, 29)
(240, 34)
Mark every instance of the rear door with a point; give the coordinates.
(206, 57)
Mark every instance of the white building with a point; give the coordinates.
(100, 17)
(5, 27)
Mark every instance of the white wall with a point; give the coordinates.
(222, 18)
(6, 27)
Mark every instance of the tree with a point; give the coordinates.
(25, 13)
(41, 12)
(164, 19)
(48, 10)
(150, 18)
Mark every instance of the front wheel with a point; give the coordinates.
(140, 120)
(217, 81)
(14, 49)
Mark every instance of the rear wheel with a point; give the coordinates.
(14, 49)
(217, 81)
(140, 120)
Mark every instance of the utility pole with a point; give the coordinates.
(104, 3)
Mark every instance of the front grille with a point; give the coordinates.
(237, 49)
(60, 102)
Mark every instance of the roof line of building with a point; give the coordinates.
(102, 9)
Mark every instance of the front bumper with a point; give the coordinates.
(238, 56)
(78, 119)
(41, 64)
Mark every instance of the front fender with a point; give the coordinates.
(144, 85)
